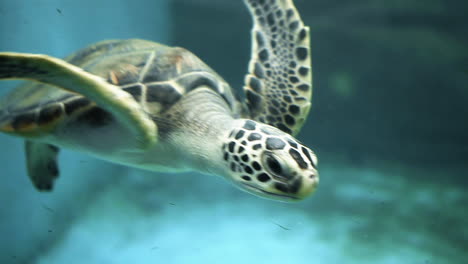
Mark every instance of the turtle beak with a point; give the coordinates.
(309, 185)
(296, 190)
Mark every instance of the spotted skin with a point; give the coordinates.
(278, 86)
(270, 162)
(104, 97)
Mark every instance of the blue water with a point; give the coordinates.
(388, 124)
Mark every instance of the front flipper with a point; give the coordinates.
(278, 87)
(64, 75)
(41, 161)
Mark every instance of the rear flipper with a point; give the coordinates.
(41, 159)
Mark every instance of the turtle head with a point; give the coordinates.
(270, 163)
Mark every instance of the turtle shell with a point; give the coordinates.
(157, 76)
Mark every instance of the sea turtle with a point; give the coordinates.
(160, 108)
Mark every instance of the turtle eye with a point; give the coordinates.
(277, 167)
(273, 165)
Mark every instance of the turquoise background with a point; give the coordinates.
(388, 123)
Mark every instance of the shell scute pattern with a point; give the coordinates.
(155, 75)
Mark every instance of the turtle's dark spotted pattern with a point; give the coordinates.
(275, 143)
(169, 108)
(255, 160)
(280, 69)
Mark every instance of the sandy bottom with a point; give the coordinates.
(359, 215)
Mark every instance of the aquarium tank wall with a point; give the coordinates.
(389, 124)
